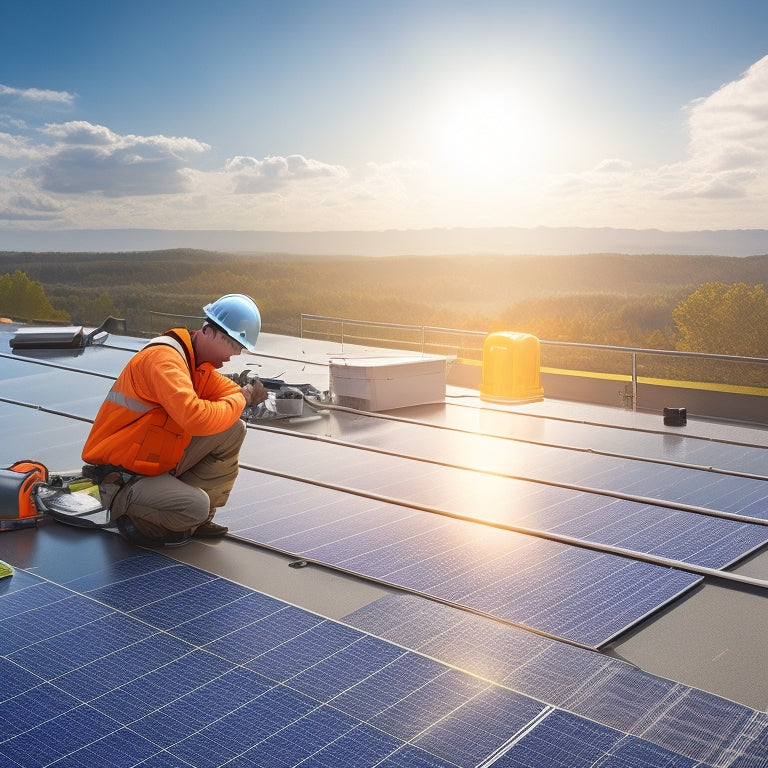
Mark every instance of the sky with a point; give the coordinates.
(336, 115)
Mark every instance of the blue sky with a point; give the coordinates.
(301, 115)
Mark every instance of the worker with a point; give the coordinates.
(165, 443)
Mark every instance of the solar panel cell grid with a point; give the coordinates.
(29, 703)
(699, 724)
(679, 725)
(299, 740)
(429, 702)
(388, 686)
(619, 445)
(53, 617)
(368, 528)
(615, 694)
(62, 652)
(229, 617)
(562, 740)
(243, 645)
(195, 602)
(144, 589)
(173, 680)
(363, 744)
(479, 727)
(236, 731)
(148, 690)
(335, 674)
(294, 655)
(410, 757)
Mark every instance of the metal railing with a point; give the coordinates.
(699, 367)
(425, 339)
(626, 363)
(160, 321)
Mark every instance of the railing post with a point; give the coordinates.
(634, 381)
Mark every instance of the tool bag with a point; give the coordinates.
(18, 486)
(29, 493)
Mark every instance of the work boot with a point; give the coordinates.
(210, 530)
(130, 532)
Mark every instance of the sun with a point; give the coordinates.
(481, 133)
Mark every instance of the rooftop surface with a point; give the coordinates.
(455, 583)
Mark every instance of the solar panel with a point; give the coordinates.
(55, 440)
(715, 544)
(662, 531)
(133, 676)
(581, 595)
(563, 740)
(645, 717)
(552, 463)
(707, 444)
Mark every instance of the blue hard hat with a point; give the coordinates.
(239, 316)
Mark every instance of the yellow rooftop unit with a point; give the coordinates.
(511, 368)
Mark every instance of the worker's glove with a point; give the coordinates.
(254, 393)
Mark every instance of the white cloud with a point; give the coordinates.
(81, 132)
(21, 207)
(252, 176)
(39, 204)
(728, 145)
(91, 158)
(613, 165)
(34, 96)
(729, 130)
(14, 147)
(722, 182)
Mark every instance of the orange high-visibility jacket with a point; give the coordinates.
(160, 400)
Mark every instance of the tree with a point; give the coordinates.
(722, 318)
(25, 299)
(99, 309)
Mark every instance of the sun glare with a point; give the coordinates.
(482, 134)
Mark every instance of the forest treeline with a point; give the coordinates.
(698, 303)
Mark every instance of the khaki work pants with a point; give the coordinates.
(189, 497)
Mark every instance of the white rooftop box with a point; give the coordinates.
(384, 383)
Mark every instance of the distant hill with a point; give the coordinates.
(417, 242)
(602, 298)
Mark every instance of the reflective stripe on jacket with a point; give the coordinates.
(160, 400)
